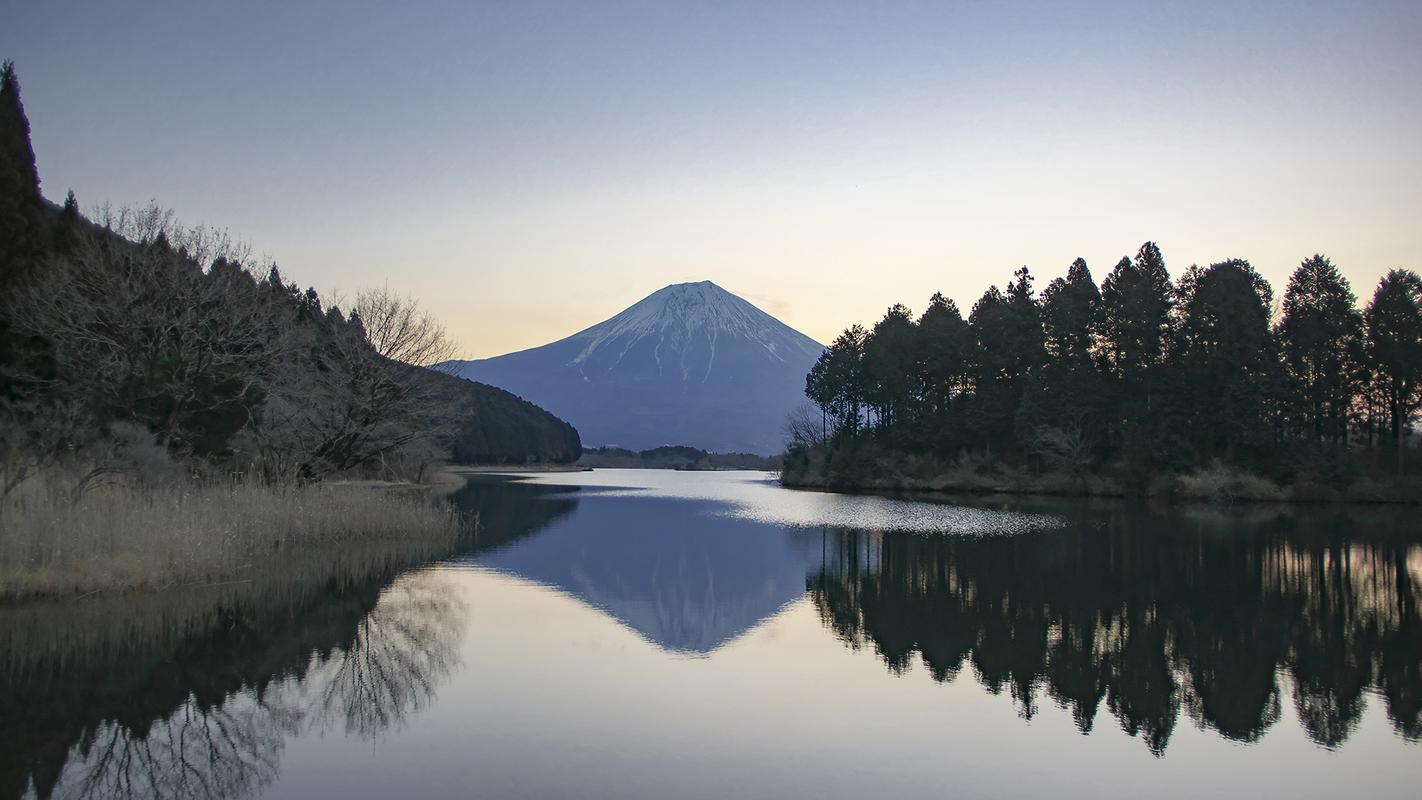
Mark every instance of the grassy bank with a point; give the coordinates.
(62, 537)
(873, 471)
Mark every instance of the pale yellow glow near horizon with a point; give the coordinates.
(823, 253)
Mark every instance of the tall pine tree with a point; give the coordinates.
(22, 237)
(1320, 335)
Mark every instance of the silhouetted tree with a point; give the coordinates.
(889, 367)
(1225, 354)
(22, 233)
(1321, 337)
(1394, 323)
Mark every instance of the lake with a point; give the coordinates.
(626, 633)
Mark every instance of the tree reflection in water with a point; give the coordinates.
(1154, 616)
(397, 657)
(360, 676)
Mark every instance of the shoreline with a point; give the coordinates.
(495, 469)
(1224, 487)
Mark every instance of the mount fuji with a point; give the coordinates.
(690, 364)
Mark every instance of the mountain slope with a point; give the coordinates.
(492, 426)
(689, 364)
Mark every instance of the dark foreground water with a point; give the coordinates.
(658, 634)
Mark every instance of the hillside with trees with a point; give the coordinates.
(1199, 386)
(680, 457)
(127, 336)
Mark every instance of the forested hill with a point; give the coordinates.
(1134, 381)
(497, 427)
(129, 338)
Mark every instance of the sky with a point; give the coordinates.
(527, 169)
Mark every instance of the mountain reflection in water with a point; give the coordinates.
(1125, 617)
(1154, 613)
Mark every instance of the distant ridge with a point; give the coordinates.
(690, 364)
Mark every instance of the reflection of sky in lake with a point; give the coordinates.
(756, 496)
(625, 636)
(558, 700)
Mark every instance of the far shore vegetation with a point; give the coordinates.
(174, 410)
(679, 457)
(1199, 388)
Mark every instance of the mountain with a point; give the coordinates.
(681, 578)
(690, 364)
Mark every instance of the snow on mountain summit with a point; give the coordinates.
(678, 314)
(690, 364)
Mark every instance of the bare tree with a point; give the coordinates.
(1069, 447)
(802, 429)
(360, 393)
(398, 329)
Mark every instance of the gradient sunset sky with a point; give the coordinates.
(529, 169)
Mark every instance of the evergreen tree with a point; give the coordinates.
(1394, 323)
(1136, 300)
(940, 356)
(889, 367)
(1320, 336)
(1226, 353)
(1007, 337)
(1065, 402)
(22, 236)
(836, 382)
(1069, 308)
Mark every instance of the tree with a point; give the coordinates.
(1007, 349)
(398, 330)
(889, 366)
(836, 381)
(940, 364)
(1321, 336)
(348, 398)
(1226, 353)
(21, 208)
(1394, 347)
(1069, 309)
(1134, 322)
(1064, 403)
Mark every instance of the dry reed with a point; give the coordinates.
(59, 538)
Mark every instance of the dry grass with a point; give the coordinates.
(1221, 483)
(59, 540)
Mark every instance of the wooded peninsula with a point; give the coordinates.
(1201, 387)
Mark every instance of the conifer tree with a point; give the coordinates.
(1226, 355)
(1069, 308)
(1320, 335)
(1394, 323)
(21, 229)
(942, 333)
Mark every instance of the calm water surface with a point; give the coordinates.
(661, 634)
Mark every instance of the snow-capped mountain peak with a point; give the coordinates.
(690, 363)
(676, 314)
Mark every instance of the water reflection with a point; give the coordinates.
(1144, 621)
(681, 577)
(210, 717)
(1154, 616)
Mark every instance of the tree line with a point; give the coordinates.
(1141, 373)
(130, 336)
